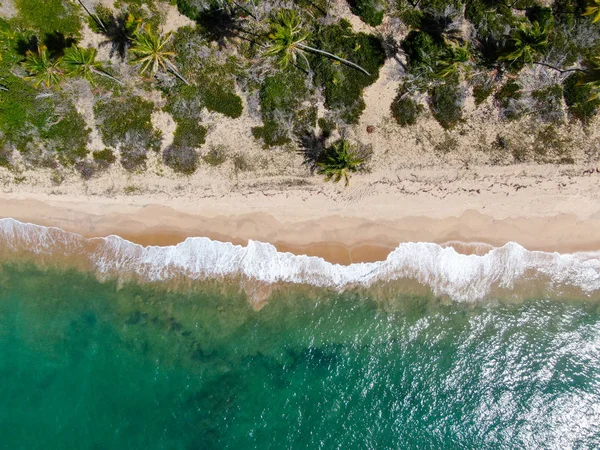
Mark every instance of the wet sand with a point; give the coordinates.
(338, 239)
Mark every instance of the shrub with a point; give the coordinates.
(23, 116)
(508, 99)
(327, 126)
(5, 155)
(369, 11)
(215, 156)
(577, 97)
(48, 17)
(405, 109)
(125, 122)
(221, 100)
(104, 157)
(412, 17)
(68, 137)
(549, 103)
(189, 134)
(446, 104)
(181, 159)
(343, 85)
(281, 97)
(482, 91)
(422, 52)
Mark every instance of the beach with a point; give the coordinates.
(544, 210)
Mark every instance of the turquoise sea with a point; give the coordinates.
(86, 364)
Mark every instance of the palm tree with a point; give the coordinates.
(526, 43)
(149, 48)
(338, 160)
(81, 62)
(593, 9)
(452, 59)
(287, 41)
(42, 69)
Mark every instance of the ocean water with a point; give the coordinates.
(89, 360)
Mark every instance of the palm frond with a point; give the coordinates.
(42, 69)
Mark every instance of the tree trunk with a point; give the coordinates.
(331, 55)
(93, 16)
(557, 69)
(173, 70)
(107, 75)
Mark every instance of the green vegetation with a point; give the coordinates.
(339, 160)
(446, 104)
(125, 123)
(343, 85)
(298, 68)
(405, 109)
(281, 104)
(578, 97)
(370, 11)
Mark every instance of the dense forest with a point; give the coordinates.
(301, 66)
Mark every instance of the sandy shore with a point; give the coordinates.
(366, 229)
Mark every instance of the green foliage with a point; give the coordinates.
(527, 42)
(452, 60)
(104, 157)
(221, 100)
(68, 135)
(151, 51)
(213, 74)
(551, 147)
(507, 97)
(285, 36)
(405, 109)
(33, 125)
(343, 85)
(578, 98)
(446, 104)
(482, 90)
(422, 53)
(281, 98)
(47, 17)
(125, 123)
(412, 17)
(510, 90)
(593, 9)
(327, 126)
(42, 69)
(338, 161)
(189, 134)
(369, 11)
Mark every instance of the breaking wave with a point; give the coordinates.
(462, 277)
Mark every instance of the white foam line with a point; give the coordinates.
(443, 269)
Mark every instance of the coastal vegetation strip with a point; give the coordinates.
(300, 72)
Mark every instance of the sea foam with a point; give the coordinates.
(445, 271)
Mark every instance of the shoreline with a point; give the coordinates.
(337, 238)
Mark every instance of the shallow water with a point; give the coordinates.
(89, 365)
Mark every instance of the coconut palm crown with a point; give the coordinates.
(287, 41)
(454, 57)
(81, 62)
(42, 69)
(526, 43)
(150, 51)
(338, 160)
